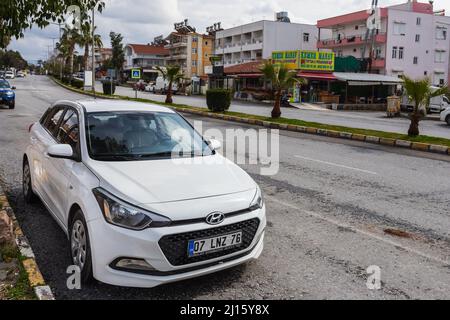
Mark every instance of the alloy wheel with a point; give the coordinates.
(78, 244)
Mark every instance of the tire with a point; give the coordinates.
(27, 188)
(12, 105)
(448, 120)
(80, 248)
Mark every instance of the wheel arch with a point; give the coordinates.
(73, 209)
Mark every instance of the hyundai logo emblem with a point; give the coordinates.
(215, 218)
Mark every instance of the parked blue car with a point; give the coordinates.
(7, 95)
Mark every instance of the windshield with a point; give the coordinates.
(128, 136)
(4, 84)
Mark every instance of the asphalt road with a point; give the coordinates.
(328, 209)
(354, 119)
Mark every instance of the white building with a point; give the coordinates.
(257, 40)
(413, 40)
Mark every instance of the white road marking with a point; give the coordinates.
(360, 231)
(337, 165)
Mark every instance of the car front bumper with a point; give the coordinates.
(110, 243)
(4, 99)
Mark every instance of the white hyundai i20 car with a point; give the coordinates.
(143, 198)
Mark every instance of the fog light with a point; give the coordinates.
(126, 264)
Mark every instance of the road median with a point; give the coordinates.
(419, 143)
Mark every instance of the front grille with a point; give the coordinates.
(175, 247)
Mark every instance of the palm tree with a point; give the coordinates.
(86, 41)
(69, 39)
(421, 92)
(282, 79)
(172, 74)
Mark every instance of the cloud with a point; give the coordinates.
(139, 21)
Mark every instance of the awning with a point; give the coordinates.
(316, 76)
(367, 79)
(250, 75)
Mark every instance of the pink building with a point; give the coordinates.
(412, 40)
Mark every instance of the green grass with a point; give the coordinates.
(22, 289)
(367, 132)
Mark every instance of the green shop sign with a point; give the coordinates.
(316, 61)
(305, 60)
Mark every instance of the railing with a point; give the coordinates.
(350, 40)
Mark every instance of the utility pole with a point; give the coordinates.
(93, 51)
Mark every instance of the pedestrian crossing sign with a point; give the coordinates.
(136, 73)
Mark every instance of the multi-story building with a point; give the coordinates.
(256, 41)
(101, 55)
(145, 56)
(412, 40)
(191, 51)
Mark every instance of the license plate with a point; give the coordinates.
(210, 245)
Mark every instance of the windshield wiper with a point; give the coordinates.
(158, 154)
(116, 157)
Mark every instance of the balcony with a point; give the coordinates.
(379, 63)
(349, 41)
(178, 44)
(177, 57)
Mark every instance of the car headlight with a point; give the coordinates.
(258, 201)
(125, 215)
(10, 93)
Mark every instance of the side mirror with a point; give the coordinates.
(215, 144)
(13, 88)
(60, 151)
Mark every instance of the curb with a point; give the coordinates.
(396, 143)
(35, 278)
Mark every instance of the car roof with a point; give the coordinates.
(102, 105)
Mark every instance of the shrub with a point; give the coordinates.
(77, 83)
(218, 100)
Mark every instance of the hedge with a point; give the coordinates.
(218, 100)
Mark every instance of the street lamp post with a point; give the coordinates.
(93, 51)
(62, 59)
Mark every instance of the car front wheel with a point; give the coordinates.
(12, 105)
(448, 120)
(80, 248)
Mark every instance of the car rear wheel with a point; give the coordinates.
(80, 249)
(448, 120)
(27, 188)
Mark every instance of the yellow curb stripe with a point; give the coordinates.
(34, 275)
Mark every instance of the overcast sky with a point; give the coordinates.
(140, 21)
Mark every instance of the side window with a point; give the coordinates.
(51, 123)
(68, 132)
(45, 116)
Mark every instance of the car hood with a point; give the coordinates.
(6, 90)
(171, 180)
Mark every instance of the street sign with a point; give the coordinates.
(88, 78)
(135, 73)
(111, 73)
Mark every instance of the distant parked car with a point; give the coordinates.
(9, 75)
(161, 86)
(21, 74)
(445, 116)
(140, 85)
(7, 95)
